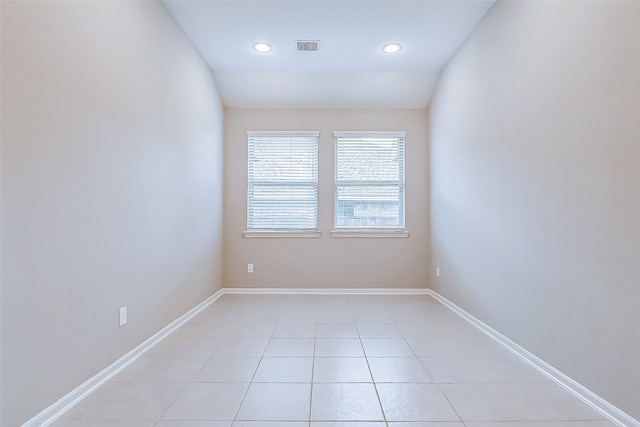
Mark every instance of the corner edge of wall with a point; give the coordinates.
(64, 404)
(605, 408)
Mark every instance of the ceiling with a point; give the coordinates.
(349, 69)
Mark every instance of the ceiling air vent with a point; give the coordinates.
(307, 45)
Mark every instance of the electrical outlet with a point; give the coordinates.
(123, 315)
(437, 271)
(249, 268)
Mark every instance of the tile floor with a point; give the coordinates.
(329, 361)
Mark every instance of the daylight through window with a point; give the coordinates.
(369, 180)
(283, 181)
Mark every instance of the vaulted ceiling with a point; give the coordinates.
(349, 68)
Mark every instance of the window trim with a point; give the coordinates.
(384, 232)
(279, 233)
(371, 232)
(259, 234)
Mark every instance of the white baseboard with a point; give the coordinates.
(605, 408)
(56, 410)
(328, 291)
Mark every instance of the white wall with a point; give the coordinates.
(536, 186)
(111, 189)
(326, 262)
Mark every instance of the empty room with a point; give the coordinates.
(320, 213)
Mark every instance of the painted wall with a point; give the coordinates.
(326, 262)
(536, 186)
(111, 189)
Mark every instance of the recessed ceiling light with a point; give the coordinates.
(392, 48)
(262, 47)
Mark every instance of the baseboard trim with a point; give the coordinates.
(55, 411)
(323, 291)
(611, 412)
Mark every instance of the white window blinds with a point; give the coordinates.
(369, 180)
(283, 181)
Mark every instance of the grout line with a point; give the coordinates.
(235, 414)
(313, 366)
(366, 358)
(351, 300)
(427, 371)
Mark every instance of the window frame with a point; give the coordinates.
(392, 231)
(253, 232)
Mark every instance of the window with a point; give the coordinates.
(369, 181)
(283, 182)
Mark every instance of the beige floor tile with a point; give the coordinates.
(398, 370)
(228, 370)
(255, 330)
(516, 402)
(161, 348)
(341, 370)
(242, 347)
(284, 370)
(334, 311)
(373, 315)
(195, 347)
(387, 347)
(127, 401)
(409, 316)
(345, 402)
(295, 329)
(348, 424)
(336, 330)
(276, 401)
(371, 330)
(428, 424)
(482, 370)
(446, 346)
(290, 347)
(206, 401)
(192, 424)
(329, 317)
(110, 423)
(415, 402)
(173, 369)
(440, 322)
(210, 329)
(299, 361)
(134, 369)
(270, 424)
(339, 347)
(542, 424)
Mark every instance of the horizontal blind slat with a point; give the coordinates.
(369, 182)
(283, 180)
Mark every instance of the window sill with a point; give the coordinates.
(370, 233)
(281, 234)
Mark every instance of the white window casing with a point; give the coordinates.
(369, 184)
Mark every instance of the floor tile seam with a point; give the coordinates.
(246, 391)
(414, 352)
(330, 421)
(375, 387)
(471, 383)
(453, 408)
(195, 373)
(429, 373)
(184, 386)
(271, 420)
(536, 421)
(313, 368)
